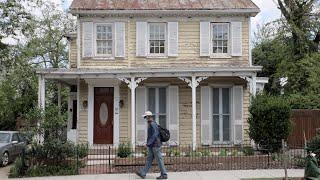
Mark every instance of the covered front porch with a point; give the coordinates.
(180, 100)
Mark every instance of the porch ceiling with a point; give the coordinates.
(147, 72)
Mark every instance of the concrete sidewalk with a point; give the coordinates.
(195, 175)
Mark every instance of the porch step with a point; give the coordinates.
(99, 162)
(100, 157)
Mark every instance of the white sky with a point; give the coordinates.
(269, 12)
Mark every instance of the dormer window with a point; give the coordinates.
(157, 39)
(220, 38)
(104, 40)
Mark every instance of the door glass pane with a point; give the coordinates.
(163, 121)
(152, 100)
(226, 101)
(216, 125)
(162, 100)
(103, 113)
(215, 104)
(226, 128)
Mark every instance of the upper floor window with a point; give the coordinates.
(220, 38)
(157, 38)
(104, 39)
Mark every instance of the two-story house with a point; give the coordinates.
(187, 61)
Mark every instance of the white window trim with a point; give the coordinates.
(156, 118)
(221, 142)
(162, 55)
(220, 55)
(104, 56)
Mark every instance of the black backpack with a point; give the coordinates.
(164, 134)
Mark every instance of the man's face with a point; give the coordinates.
(149, 118)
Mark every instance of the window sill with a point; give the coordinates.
(102, 58)
(156, 57)
(222, 56)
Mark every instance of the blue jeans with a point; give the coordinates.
(154, 152)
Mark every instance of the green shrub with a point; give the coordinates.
(269, 121)
(174, 152)
(314, 146)
(18, 169)
(223, 152)
(124, 150)
(248, 151)
(193, 154)
(83, 150)
(37, 171)
(304, 101)
(206, 152)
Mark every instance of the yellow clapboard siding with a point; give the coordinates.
(189, 50)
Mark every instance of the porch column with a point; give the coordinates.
(194, 113)
(194, 83)
(41, 92)
(133, 86)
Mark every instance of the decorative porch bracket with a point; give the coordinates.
(193, 83)
(252, 83)
(133, 84)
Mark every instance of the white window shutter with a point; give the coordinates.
(120, 34)
(238, 114)
(173, 114)
(236, 38)
(87, 39)
(206, 105)
(141, 124)
(141, 38)
(205, 39)
(173, 36)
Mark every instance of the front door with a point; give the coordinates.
(103, 115)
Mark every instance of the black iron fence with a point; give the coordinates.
(124, 159)
(103, 159)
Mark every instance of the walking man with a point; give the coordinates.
(154, 148)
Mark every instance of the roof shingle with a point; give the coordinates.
(162, 4)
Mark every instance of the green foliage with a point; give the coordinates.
(223, 152)
(193, 154)
(59, 170)
(314, 146)
(124, 150)
(248, 151)
(174, 153)
(300, 101)
(83, 150)
(55, 155)
(18, 93)
(269, 121)
(206, 152)
(18, 168)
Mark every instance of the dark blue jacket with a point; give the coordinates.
(153, 139)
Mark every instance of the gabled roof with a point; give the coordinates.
(164, 5)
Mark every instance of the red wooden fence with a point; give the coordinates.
(305, 125)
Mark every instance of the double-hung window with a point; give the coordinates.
(220, 38)
(157, 39)
(104, 40)
(157, 104)
(221, 109)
